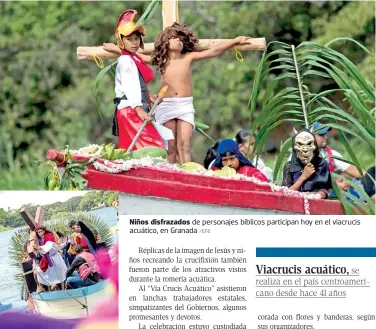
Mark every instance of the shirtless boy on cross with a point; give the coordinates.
(174, 54)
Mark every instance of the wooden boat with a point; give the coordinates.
(151, 191)
(5, 307)
(71, 303)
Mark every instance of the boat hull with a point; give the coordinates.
(196, 194)
(71, 303)
(140, 205)
(5, 307)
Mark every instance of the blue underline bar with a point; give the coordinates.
(314, 252)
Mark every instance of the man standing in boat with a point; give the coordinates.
(50, 270)
(132, 76)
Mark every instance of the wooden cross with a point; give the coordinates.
(33, 223)
(170, 14)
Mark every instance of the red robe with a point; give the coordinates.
(129, 122)
(43, 264)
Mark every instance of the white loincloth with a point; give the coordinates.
(180, 108)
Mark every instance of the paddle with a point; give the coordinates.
(160, 96)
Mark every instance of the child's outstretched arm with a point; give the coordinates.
(217, 50)
(115, 49)
(112, 48)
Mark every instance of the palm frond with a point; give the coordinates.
(349, 108)
(367, 208)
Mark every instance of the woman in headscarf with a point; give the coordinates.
(306, 171)
(230, 156)
(51, 268)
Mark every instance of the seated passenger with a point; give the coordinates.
(81, 234)
(245, 143)
(230, 156)
(306, 171)
(87, 269)
(211, 154)
(344, 186)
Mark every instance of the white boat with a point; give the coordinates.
(71, 303)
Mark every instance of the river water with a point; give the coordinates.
(10, 291)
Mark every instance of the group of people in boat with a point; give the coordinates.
(308, 169)
(310, 165)
(61, 262)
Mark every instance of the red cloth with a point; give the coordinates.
(80, 240)
(43, 264)
(252, 172)
(129, 124)
(249, 172)
(146, 72)
(331, 160)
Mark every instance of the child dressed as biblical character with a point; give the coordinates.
(131, 79)
(230, 156)
(306, 171)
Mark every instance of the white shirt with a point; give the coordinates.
(127, 82)
(338, 164)
(268, 172)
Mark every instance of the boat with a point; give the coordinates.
(151, 191)
(71, 303)
(156, 189)
(5, 307)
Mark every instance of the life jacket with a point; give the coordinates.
(329, 151)
(89, 267)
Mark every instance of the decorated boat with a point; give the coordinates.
(72, 303)
(66, 303)
(152, 186)
(5, 307)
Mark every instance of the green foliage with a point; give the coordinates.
(3, 228)
(46, 95)
(298, 104)
(97, 198)
(11, 218)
